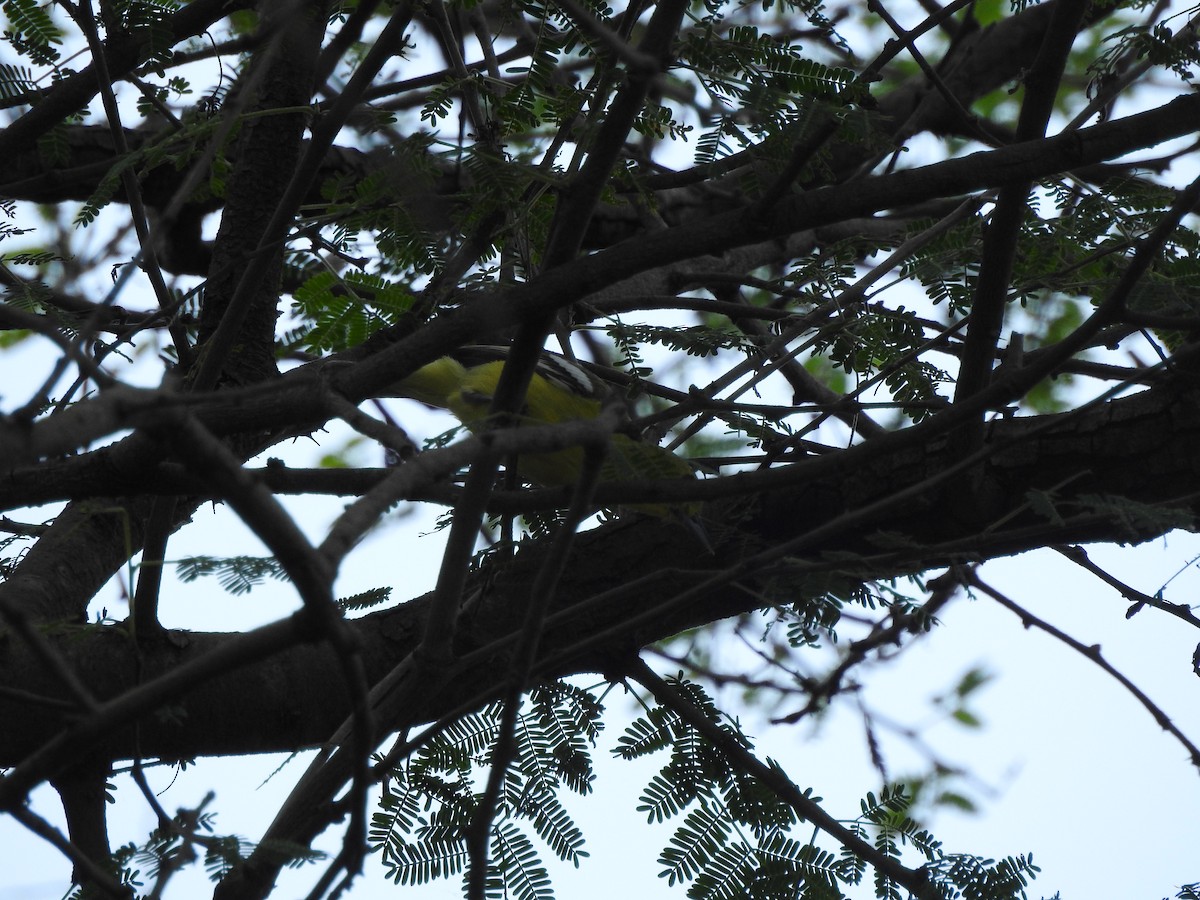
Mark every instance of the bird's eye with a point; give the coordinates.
(476, 397)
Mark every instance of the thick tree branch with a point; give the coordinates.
(123, 51)
(237, 318)
(1139, 448)
(1000, 237)
(978, 64)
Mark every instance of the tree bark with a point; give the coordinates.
(1137, 451)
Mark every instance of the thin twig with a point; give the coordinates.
(943, 589)
(541, 595)
(1138, 598)
(312, 576)
(1092, 653)
(97, 875)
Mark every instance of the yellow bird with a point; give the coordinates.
(560, 391)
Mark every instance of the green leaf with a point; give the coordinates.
(35, 32)
(236, 574)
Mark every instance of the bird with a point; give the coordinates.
(560, 390)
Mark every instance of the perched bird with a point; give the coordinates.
(560, 391)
